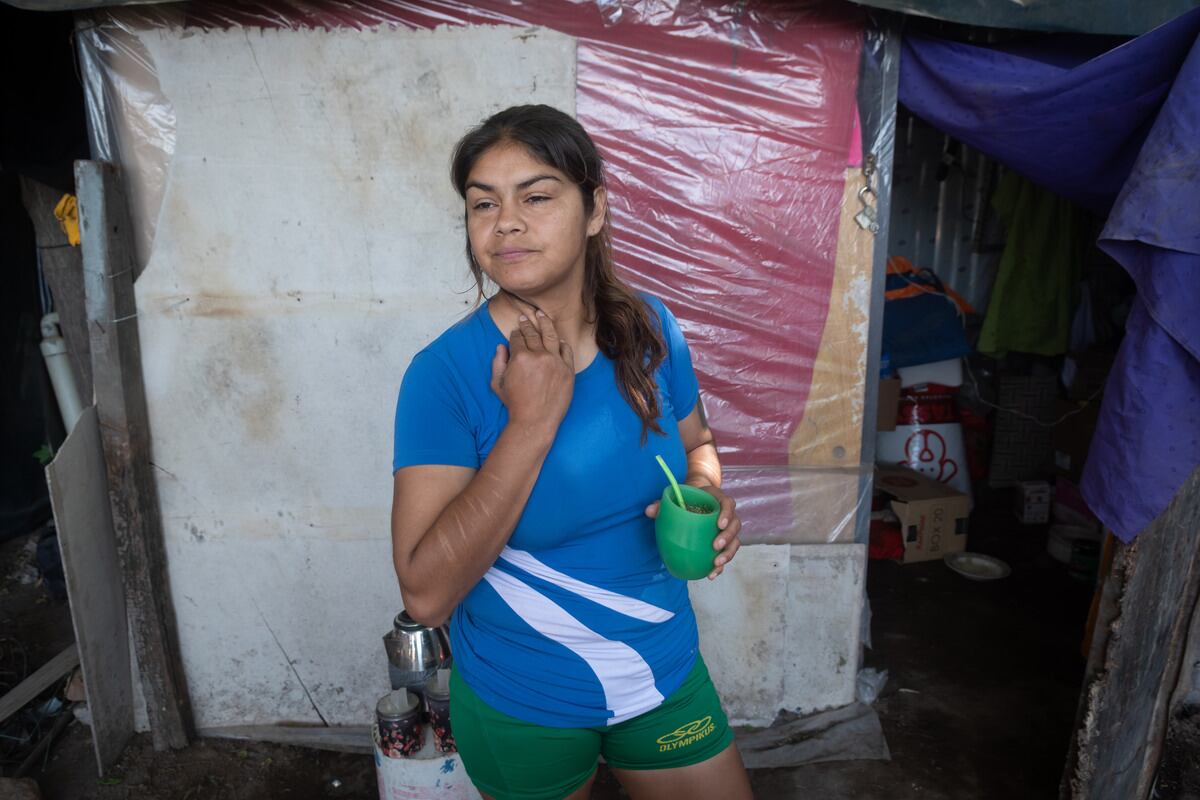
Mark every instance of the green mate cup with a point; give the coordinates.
(685, 538)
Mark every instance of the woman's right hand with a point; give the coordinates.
(535, 375)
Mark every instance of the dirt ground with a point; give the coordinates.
(980, 702)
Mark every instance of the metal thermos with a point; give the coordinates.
(415, 652)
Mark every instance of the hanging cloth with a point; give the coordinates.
(1033, 300)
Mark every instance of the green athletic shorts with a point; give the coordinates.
(509, 759)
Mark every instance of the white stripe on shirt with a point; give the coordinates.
(625, 677)
(622, 604)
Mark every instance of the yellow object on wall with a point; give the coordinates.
(67, 214)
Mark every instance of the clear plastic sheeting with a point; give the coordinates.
(799, 505)
(130, 122)
(726, 130)
(300, 241)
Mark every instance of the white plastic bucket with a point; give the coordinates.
(427, 775)
(1062, 537)
(936, 451)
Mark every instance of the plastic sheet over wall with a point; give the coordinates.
(299, 240)
(726, 133)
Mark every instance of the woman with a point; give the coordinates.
(525, 483)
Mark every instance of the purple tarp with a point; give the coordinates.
(1118, 133)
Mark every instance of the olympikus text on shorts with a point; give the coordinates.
(686, 734)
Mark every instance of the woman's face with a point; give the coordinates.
(526, 221)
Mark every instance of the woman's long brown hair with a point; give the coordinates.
(627, 331)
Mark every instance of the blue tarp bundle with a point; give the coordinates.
(1118, 133)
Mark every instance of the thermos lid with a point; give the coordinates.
(404, 622)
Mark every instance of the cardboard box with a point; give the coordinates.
(889, 404)
(1032, 502)
(933, 517)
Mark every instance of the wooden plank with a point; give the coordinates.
(830, 432)
(121, 406)
(53, 670)
(1172, 674)
(1179, 773)
(829, 436)
(1107, 608)
(62, 265)
(1187, 690)
(1124, 718)
(343, 739)
(79, 496)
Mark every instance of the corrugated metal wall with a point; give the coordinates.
(941, 209)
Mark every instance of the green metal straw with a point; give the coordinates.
(671, 478)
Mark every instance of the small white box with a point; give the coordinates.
(1033, 499)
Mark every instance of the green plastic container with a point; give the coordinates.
(685, 538)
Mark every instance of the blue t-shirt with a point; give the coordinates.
(577, 623)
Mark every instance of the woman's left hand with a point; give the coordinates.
(729, 526)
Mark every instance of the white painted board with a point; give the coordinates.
(79, 496)
(309, 243)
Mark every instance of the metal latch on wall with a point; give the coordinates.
(867, 218)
